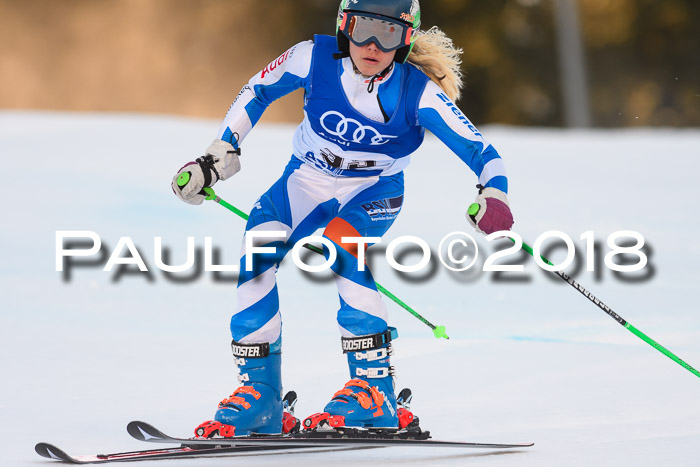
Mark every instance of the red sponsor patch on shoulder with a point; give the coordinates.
(277, 62)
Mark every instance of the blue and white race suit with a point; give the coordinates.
(345, 173)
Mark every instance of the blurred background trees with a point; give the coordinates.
(191, 57)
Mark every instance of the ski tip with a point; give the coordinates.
(50, 451)
(518, 445)
(144, 431)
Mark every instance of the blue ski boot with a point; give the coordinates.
(255, 407)
(368, 399)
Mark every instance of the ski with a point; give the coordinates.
(318, 436)
(50, 451)
(331, 437)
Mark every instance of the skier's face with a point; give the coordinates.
(370, 59)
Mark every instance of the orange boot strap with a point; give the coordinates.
(235, 400)
(358, 382)
(361, 397)
(344, 392)
(364, 400)
(248, 390)
(377, 396)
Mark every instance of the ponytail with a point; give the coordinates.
(435, 55)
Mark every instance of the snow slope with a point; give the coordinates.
(528, 359)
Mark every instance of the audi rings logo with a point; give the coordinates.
(356, 131)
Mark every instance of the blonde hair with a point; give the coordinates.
(435, 54)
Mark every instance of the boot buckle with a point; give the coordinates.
(372, 372)
(372, 355)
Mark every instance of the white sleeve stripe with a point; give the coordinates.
(451, 115)
(493, 168)
(295, 61)
(237, 118)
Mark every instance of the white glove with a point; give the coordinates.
(219, 163)
(490, 212)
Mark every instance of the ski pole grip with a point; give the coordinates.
(183, 179)
(209, 192)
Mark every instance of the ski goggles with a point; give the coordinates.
(363, 28)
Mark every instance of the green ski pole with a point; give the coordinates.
(438, 331)
(474, 209)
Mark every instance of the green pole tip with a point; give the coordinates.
(473, 209)
(210, 193)
(439, 332)
(183, 179)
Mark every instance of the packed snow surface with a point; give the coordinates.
(529, 358)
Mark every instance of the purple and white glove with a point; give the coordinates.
(219, 163)
(490, 212)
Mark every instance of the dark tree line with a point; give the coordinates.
(191, 57)
(643, 57)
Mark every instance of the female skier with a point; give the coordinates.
(370, 93)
